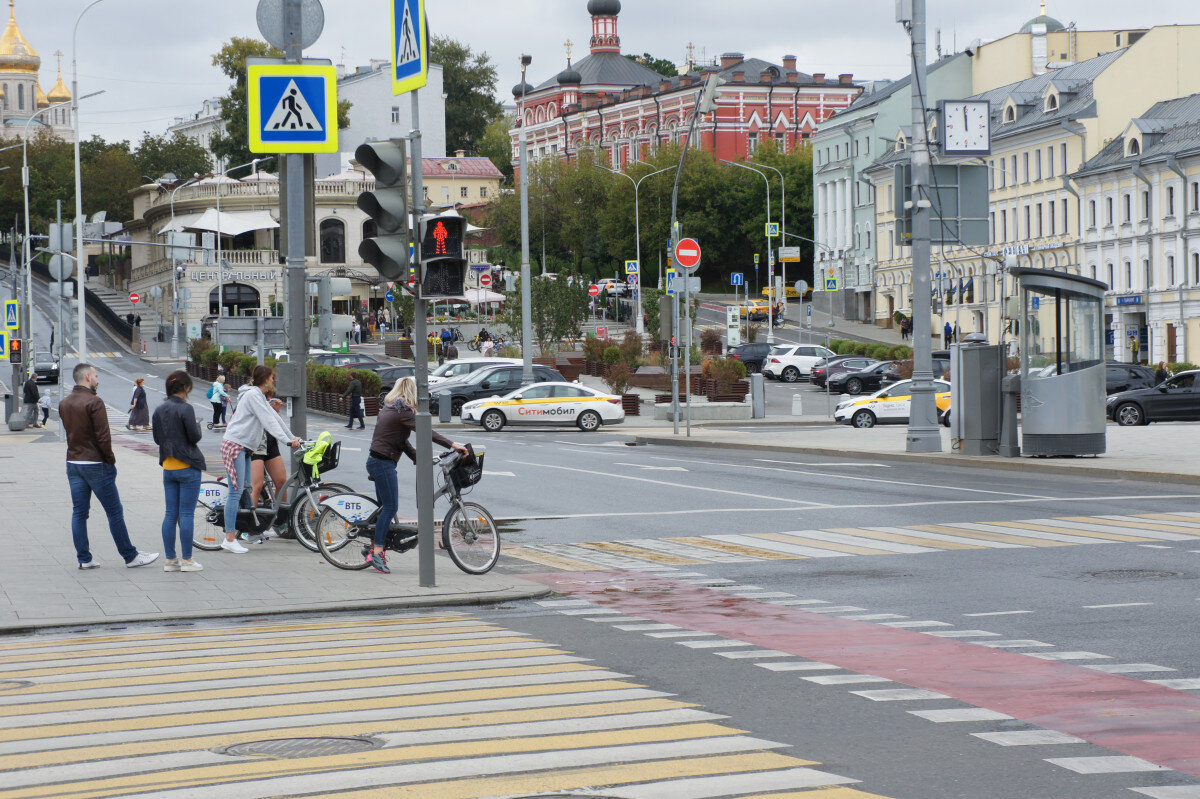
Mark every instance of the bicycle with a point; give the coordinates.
(346, 526)
(272, 511)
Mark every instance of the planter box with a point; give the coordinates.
(726, 397)
(631, 404)
(398, 348)
(570, 372)
(660, 399)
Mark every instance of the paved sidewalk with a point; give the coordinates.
(41, 586)
(1165, 452)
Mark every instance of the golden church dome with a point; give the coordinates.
(16, 53)
(59, 91)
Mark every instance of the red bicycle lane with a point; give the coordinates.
(1158, 724)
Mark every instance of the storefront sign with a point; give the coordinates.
(200, 276)
(1129, 300)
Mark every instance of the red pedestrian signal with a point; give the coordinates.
(14, 351)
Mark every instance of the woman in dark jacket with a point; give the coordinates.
(396, 422)
(177, 434)
(139, 408)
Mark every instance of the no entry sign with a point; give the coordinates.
(687, 254)
(134, 298)
(485, 280)
(594, 290)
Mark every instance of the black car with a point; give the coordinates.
(1176, 400)
(1120, 377)
(350, 360)
(389, 376)
(825, 369)
(752, 355)
(497, 381)
(45, 368)
(866, 380)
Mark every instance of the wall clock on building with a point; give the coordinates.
(966, 127)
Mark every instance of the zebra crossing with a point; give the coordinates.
(672, 553)
(442, 705)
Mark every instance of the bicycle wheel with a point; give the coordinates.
(470, 537)
(304, 515)
(340, 543)
(207, 535)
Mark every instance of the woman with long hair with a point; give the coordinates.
(263, 461)
(396, 423)
(254, 416)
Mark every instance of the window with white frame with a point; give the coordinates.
(1066, 219)
(1053, 220)
(483, 193)
(1126, 207)
(1170, 202)
(1108, 211)
(1062, 151)
(1146, 204)
(395, 115)
(752, 143)
(1128, 275)
(1037, 164)
(1025, 167)
(463, 192)
(1111, 277)
(1050, 161)
(1195, 268)
(1170, 270)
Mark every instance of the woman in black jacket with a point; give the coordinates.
(396, 422)
(177, 434)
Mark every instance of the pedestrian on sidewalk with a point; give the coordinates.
(137, 320)
(44, 404)
(451, 351)
(353, 392)
(92, 469)
(1161, 373)
(947, 335)
(396, 423)
(177, 433)
(254, 415)
(139, 408)
(218, 397)
(263, 461)
(30, 396)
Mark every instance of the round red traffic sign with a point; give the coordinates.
(485, 280)
(594, 290)
(134, 298)
(687, 253)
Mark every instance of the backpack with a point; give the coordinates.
(212, 391)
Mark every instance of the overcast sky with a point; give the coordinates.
(153, 57)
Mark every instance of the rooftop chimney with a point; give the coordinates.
(765, 76)
(460, 153)
(664, 84)
(730, 59)
(739, 76)
(818, 77)
(789, 63)
(846, 78)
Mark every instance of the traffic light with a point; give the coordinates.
(14, 352)
(387, 206)
(442, 258)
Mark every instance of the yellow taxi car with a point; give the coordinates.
(789, 292)
(889, 405)
(546, 404)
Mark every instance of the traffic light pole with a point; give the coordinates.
(424, 442)
(297, 276)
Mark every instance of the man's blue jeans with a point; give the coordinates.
(241, 465)
(182, 489)
(99, 479)
(387, 489)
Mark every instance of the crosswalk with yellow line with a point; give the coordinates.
(668, 554)
(439, 707)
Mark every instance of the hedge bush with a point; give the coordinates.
(197, 347)
(899, 353)
(631, 350)
(209, 356)
(371, 382)
(1182, 366)
(246, 364)
(612, 355)
(229, 359)
(878, 351)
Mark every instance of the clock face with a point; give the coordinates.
(966, 127)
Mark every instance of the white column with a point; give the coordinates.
(838, 222)
(849, 213)
(819, 235)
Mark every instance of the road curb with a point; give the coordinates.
(534, 591)
(1046, 466)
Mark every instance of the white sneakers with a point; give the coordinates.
(171, 565)
(181, 565)
(142, 559)
(233, 546)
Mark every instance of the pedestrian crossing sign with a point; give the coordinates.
(831, 284)
(3, 346)
(410, 46)
(631, 267)
(12, 314)
(293, 107)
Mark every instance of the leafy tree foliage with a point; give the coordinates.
(660, 65)
(160, 155)
(497, 146)
(558, 310)
(469, 82)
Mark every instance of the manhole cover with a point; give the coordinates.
(1135, 574)
(300, 747)
(12, 685)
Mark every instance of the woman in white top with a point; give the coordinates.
(254, 416)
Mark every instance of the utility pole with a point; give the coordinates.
(295, 273)
(923, 432)
(526, 288)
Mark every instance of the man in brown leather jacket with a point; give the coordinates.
(92, 468)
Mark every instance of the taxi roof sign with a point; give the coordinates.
(410, 46)
(293, 107)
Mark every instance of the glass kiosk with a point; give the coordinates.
(1062, 363)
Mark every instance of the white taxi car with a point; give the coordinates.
(546, 404)
(887, 406)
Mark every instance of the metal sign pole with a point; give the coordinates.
(295, 271)
(424, 442)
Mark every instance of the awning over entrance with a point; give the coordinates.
(179, 223)
(482, 296)
(234, 223)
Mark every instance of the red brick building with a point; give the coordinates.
(611, 103)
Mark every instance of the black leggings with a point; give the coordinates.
(216, 413)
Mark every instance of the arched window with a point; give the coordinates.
(1052, 102)
(238, 297)
(333, 242)
(1010, 114)
(1135, 147)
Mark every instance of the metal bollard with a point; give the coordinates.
(1010, 388)
(443, 406)
(797, 405)
(758, 396)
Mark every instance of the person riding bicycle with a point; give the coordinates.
(397, 421)
(245, 431)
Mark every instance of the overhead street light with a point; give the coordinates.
(770, 259)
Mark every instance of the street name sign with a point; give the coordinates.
(410, 46)
(789, 255)
(687, 254)
(293, 107)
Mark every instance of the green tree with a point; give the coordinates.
(558, 310)
(469, 83)
(156, 156)
(660, 65)
(233, 145)
(496, 145)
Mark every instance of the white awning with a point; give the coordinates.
(483, 296)
(214, 179)
(261, 177)
(234, 223)
(178, 223)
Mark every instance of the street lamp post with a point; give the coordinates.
(782, 217)
(526, 288)
(816, 276)
(770, 268)
(79, 261)
(637, 222)
(174, 277)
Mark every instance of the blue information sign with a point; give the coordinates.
(389, 296)
(737, 279)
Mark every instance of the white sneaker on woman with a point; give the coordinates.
(233, 546)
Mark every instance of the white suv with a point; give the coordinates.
(790, 362)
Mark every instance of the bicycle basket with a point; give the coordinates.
(468, 471)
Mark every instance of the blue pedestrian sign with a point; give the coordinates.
(410, 46)
(3, 346)
(631, 267)
(293, 107)
(737, 279)
(831, 284)
(389, 296)
(772, 229)
(1037, 303)
(671, 281)
(12, 315)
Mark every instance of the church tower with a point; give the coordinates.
(21, 95)
(604, 25)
